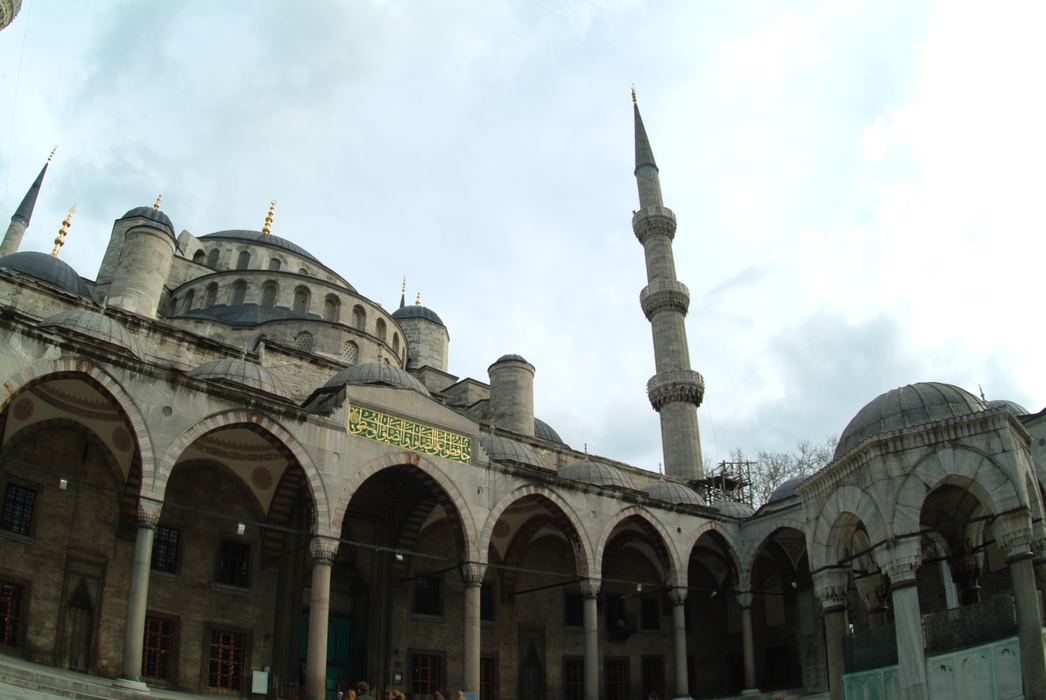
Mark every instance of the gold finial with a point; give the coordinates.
(417, 302)
(268, 219)
(59, 241)
(52, 154)
(634, 95)
(404, 290)
(157, 205)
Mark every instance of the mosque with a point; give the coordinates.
(225, 470)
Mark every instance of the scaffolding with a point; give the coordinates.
(730, 481)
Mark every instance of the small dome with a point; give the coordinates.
(511, 358)
(909, 406)
(595, 473)
(94, 325)
(242, 373)
(266, 239)
(1014, 408)
(405, 312)
(46, 268)
(786, 489)
(501, 449)
(377, 373)
(158, 219)
(544, 431)
(733, 509)
(671, 492)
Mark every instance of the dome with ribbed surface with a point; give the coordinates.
(511, 358)
(671, 492)
(157, 219)
(94, 325)
(264, 238)
(786, 489)
(501, 449)
(380, 373)
(907, 407)
(405, 312)
(1013, 407)
(544, 431)
(242, 373)
(733, 509)
(46, 268)
(595, 473)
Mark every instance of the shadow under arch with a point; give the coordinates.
(844, 499)
(770, 539)
(761, 535)
(215, 465)
(712, 528)
(675, 571)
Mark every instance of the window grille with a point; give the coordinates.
(11, 596)
(243, 260)
(225, 667)
(359, 318)
(426, 674)
(304, 341)
(870, 649)
(269, 294)
(239, 291)
(379, 329)
(301, 300)
(351, 354)
(18, 509)
(969, 626)
(426, 595)
(653, 676)
(158, 648)
(331, 307)
(234, 564)
(574, 679)
(212, 258)
(212, 296)
(165, 550)
(274, 263)
(617, 679)
(487, 671)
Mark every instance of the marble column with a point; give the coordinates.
(831, 585)
(678, 596)
(900, 561)
(323, 550)
(472, 576)
(873, 592)
(744, 599)
(589, 592)
(1013, 534)
(138, 596)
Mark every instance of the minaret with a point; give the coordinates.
(675, 391)
(22, 215)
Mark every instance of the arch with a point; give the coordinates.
(762, 536)
(210, 295)
(331, 308)
(199, 257)
(301, 299)
(676, 571)
(732, 549)
(270, 290)
(587, 558)
(155, 482)
(379, 330)
(190, 297)
(303, 271)
(239, 291)
(845, 499)
(441, 479)
(396, 344)
(274, 264)
(30, 431)
(212, 258)
(243, 260)
(359, 318)
(249, 496)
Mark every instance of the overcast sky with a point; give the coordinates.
(858, 185)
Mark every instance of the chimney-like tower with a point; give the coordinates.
(512, 394)
(675, 391)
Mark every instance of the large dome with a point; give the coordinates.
(671, 492)
(909, 406)
(242, 373)
(501, 449)
(595, 473)
(381, 373)
(46, 268)
(94, 325)
(265, 238)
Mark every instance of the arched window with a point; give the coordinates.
(301, 300)
(212, 258)
(199, 256)
(359, 318)
(304, 341)
(212, 296)
(269, 294)
(379, 329)
(331, 308)
(396, 343)
(172, 306)
(189, 298)
(351, 354)
(239, 291)
(243, 261)
(774, 603)
(274, 263)
(303, 271)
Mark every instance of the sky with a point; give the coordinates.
(858, 185)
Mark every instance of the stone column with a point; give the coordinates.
(138, 596)
(679, 635)
(831, 585)
(323, 550)
(900, 561)
(472, 576)
(1014, 534)
(589, 591)
(744, 599)
(1038, 548)
(873, 592)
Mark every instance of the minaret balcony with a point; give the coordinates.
(664, 295)
(651, 221)
(675, 385)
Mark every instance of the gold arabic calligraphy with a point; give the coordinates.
(398, 432)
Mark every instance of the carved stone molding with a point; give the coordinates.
(472, 573)
(744, 599)
(661, 295)
(1013, 533)
(590, 587)
(899, 560)
(873, 590)
(323, 549)
(149, 512)
(654, 221)
(830, 586)
(678, 595)
(675, 385)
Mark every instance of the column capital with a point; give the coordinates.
(590, 587)
(323, 549)
(678, 595)
(472, 573)
(899, 559)
(149, 512)
(1013, 533)
(744, 598)
(830, 586)
(873, 591)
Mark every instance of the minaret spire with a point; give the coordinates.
(675, 391)
(23, 214)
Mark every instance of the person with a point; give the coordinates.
(350, 694)
(363, 691)
(652, 696)
(437, 695)
(461, 695)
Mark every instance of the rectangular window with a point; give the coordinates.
(653, 676)
(18, 509)
(158, 649)
(426, 675)
(651, 613)
(11, 596)
(487, 670)
(426, 595)
(486, 602)
(226, 660)
(574, 610)
(234, 564)
(165, 550)
(574, 679)
(617, 679)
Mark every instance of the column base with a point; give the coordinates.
(751, 691)
(134, 684)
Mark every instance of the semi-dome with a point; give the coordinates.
(595, 473)
(1012, 406)
(157, 218)
(544, 431)
(733, 509)
(417, 311)
(906, 407)
(502, 449)
(242, 373)
(786, 489)
(265, 238)
(46, 268)
(380, 373)
(671, 492)
(94, 325)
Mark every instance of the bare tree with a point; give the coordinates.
(771, 469)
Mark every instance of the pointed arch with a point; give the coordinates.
(675, 568)
(759, 537)
(845, 499)
(732, 549)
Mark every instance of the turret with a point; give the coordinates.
(512, 394)
(427, 338)
(139, 257)
(675, 391)
(22, 215)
